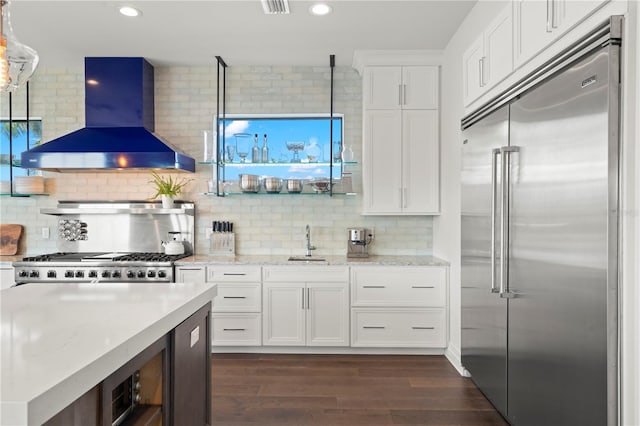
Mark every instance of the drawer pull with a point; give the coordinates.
(234, 273)
(422, 286)
(373, 286)
(423, 328)
(374, 326)
(234, 297)
(234, 329)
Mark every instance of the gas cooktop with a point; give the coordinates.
(102, 257)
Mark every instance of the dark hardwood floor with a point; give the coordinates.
(264, 389)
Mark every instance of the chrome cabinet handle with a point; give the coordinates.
(404, 94)
(376, 327)
(494, 199)
(549, 16)
(373, 286)
(308, 298)
(302, 298)
(399, 94)
(504, 232)
(481, 66)
(234, 329)
(234, 297)
(234, 273)
(554, 20)
(423, 328)
(422, 286)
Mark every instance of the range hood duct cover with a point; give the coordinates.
(119, 117)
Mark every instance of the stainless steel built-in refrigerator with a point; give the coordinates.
(540, 240)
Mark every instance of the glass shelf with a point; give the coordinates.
(15, 194)
(303, 164)
(284, 192)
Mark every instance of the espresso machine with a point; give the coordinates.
(358, 241)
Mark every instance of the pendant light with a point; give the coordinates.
(17, 61)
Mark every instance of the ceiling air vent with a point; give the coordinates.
(275, 7)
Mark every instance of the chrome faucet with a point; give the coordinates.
(309, 246)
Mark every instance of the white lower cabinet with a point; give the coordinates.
(191, 274)
(398, 327)
(236, 318)
(399, 306)
(7, 278)
(305, 306)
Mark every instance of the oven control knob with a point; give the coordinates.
(93, 274)
(51, 274)
(79, 274)
(130, 274)
(33, 274)
(105, 274)
(116, 274)
(141, 274)
(23, 274)
(68, 274)
(162, 274)
(151, 274)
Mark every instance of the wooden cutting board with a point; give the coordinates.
(9, 239)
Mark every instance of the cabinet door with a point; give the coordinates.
(532, 33)
(191, 370)
(573, 12)
(7, 278)
(498, 48)
(420, 87)
(471, 70)
(283, 314)
(382, 163)
(189, 274)
(382, 87)
(327, 311)
(421, 162)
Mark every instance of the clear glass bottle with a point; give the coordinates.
(256, 156)
(265, 150)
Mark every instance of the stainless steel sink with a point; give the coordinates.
(306, 259)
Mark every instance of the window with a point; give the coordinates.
(20, 144)
(298, 145)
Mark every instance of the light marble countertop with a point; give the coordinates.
(60, 340)
(329, 260)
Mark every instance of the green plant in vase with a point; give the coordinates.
(167, 188)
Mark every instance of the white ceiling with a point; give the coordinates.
(193, 32)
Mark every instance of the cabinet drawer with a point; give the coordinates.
(238, 297)
(233, 273)
(406, 328)
(236, 329)
(398, 286)
(307, 273)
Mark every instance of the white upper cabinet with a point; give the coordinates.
(395, 87)
(489, 59)
(401, 161)
(538, 23)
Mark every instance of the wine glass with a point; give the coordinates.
(243, 145)
(295, 147)
(230, 152)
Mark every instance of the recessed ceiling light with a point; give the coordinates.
(130, 11)
(320, 9)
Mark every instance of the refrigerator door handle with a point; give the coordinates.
(494, 198)
(505, 198)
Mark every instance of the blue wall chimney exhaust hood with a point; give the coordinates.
(119, 117)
